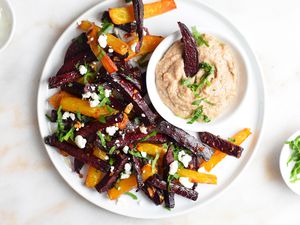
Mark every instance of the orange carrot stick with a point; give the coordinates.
(197, 177)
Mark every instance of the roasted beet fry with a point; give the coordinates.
(221, 144)
(186, 140)
(89, 131)
(111, 177)
(77, 46)
(190, 51)
(138, 9)
(70, 65)
(153, 193)
(132, 95)
(176, 188)
(138, 173)
(63, 78)
(78, 153)
(136, 137)
(168, 195)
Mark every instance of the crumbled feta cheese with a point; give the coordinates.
(127, 167)
(112, 169)
(126, 149)
(82, 69)
(107, 93)
(94, 96)
(184, 158)
(144, 154)
(124, 176)
(67, 115)
(111, 130)
(102, 40)
(93, 88)
(80, 141)
(133, 46)
(173, 167)
(106, 158)
(185, 181)
(94, 103)
(110, 50)
(143, 129)
(143, 115)
(123, 136)
(201, 170)
(87, 95)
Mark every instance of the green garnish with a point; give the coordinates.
(48, 117)
(60, 124)
(133, 196)
(69, 135)
(231, 140)
(109, 109)
(199, 37)
(106, 27)
(135, 154)
(102, 139)
(102, 119)
(154, 161)
(295, 157)
(111, 150)
(148, 136)
(170, 179)
(199, 101)
(129, 78)
(111, 161)
(198, 114)
(102, 98)
(101, 53)
(79, 116)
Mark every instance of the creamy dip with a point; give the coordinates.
(215, 96)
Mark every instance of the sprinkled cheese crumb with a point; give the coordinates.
(110, 50)
(144, 154)
(185, 181)
(173, 167)
(80, 141)
(107, 93)
(126, 149)
(82, 69)
(184, 158)
(102, 40)
(111, 130)
(143, 130)
(112, 168)
(67, 115)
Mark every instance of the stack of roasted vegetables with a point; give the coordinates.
(105, 123)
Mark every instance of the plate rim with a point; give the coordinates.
(260, 128)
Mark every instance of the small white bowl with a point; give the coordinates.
(165, 112)
(8, 15)
(286, 169)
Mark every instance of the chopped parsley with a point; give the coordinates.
(136, 154)
(148, 136)
(104, 101)
(199, 101)
(198, 114)
(69, 135)
(199, 37)
(102, 119)
(111, 150)
(295, 157)
(89, 75)
(102, 139)
(154, 161)
(133, 196)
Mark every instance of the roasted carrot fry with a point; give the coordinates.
(151, 149)
(73, 104)
(117, 44)
(197, 177)
(122, 125)
(125, 14)
(92, 33)
(94, 176)
(149, 45)
(55, 99)
(126, 185)
(217, 157)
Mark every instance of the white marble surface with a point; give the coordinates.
(32, 192)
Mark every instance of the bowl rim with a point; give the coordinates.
(9, 7)
(165, 111)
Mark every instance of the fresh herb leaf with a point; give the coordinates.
(109, 109)
(48, 117)
(231, 140)
(102, 119)
(199, 37)
(295, 157)
(60, 124)
(148, 136)
(102, 139)
(135, 154)
(111, 161)
(111, 150)
(199, 101)
(79, 116)
(101, 53)
(198, 114)
(68, 135)
(133, 196)
(154, 161)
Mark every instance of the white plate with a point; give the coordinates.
(249, 114)
(8, 25)
(286, 169)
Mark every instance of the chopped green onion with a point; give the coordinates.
(111, 150)
(102, 139)
(199, 37)
(148, 136)
(295, 157)
(154, 161)
(133, 196)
